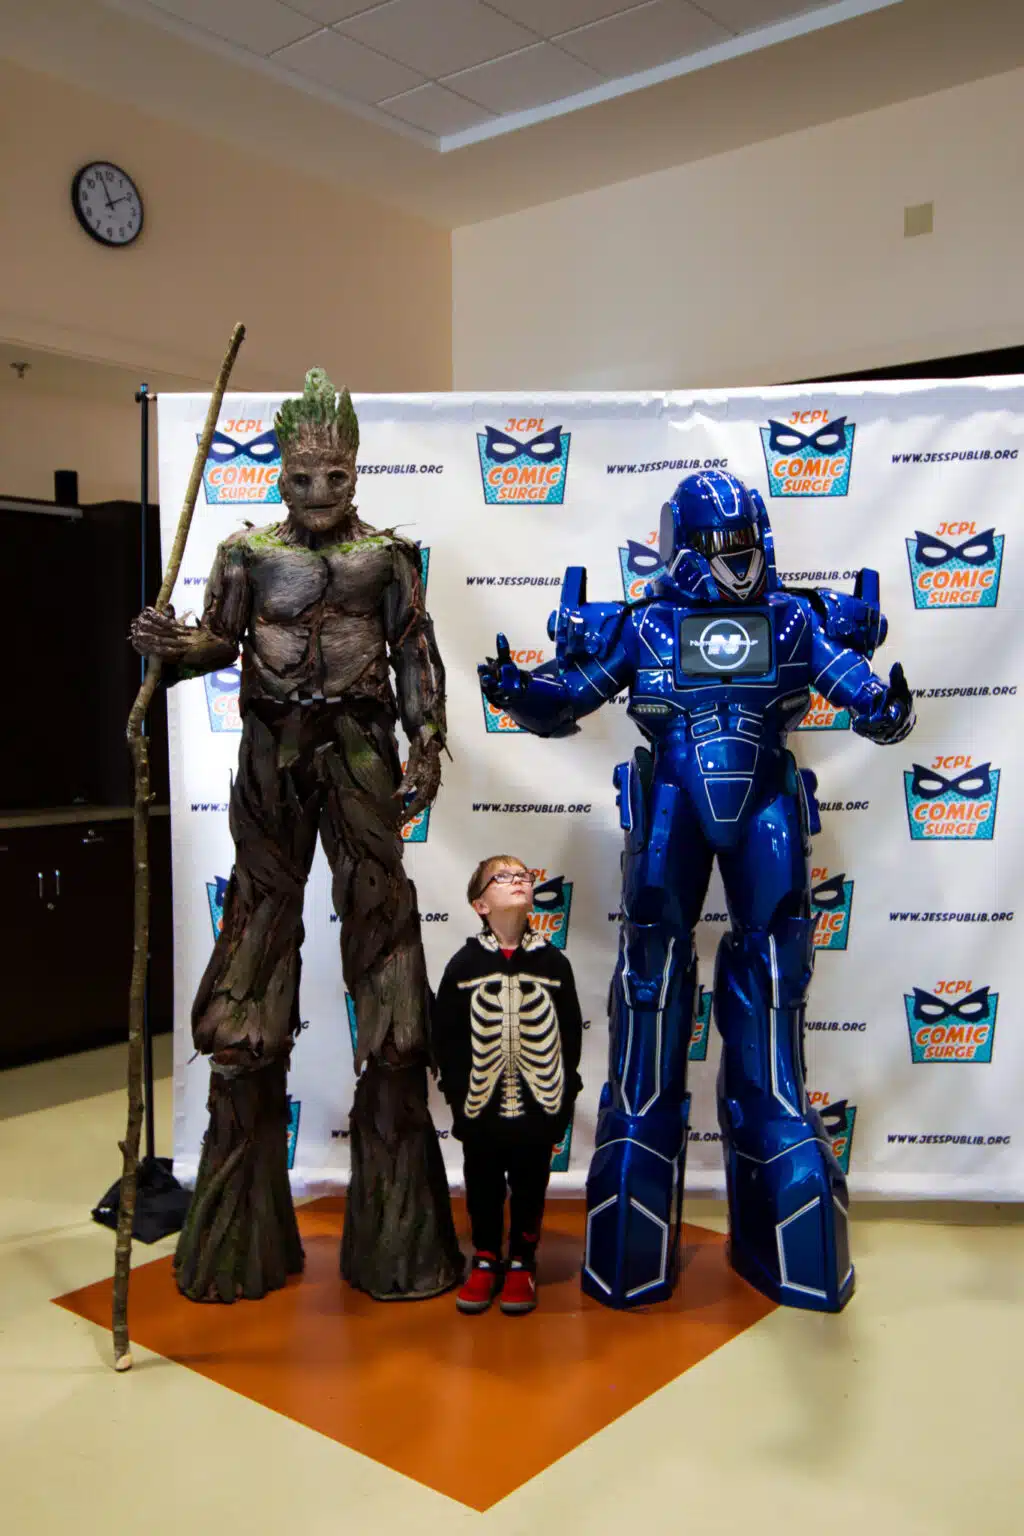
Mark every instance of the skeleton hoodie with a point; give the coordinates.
(507, 1034)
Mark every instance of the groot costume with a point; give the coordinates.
(323, 607)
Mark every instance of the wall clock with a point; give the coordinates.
(107, 203)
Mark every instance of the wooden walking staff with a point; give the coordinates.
(138, 745)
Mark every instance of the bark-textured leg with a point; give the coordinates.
(240, 1238)
(399, 1239)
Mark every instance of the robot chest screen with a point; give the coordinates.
(722, 645)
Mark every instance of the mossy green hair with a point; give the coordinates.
(319, 406)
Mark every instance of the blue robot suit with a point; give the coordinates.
(719, 659)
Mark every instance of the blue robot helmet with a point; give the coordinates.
(714, 517)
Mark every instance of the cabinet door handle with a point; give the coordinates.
(40, 885)
(57, 876)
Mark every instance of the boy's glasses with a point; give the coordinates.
(510, 877)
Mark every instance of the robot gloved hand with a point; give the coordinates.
(501, 680)
(892, 717)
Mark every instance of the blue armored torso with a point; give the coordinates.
(718, 692)
(720, 661)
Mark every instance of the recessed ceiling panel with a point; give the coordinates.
(643, 38)
(744, 15)
(327, 12)
(436, 109)
(346, 66)
(438, 36)
(261, 25)
(549, 17)
(527, 79)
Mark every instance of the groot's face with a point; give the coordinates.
(317, 483)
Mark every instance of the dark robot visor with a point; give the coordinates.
(724, 541)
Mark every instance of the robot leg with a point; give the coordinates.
(787, 1194)
(635, 1182)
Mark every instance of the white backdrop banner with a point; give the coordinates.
(913, 1053)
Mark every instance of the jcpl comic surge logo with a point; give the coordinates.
(823, 716)
(418, 829)
(956, 566)
(701, 1026)
(837, 1119)
(562, 1152)
(808, 454)
(552, 903)
(955, 1022)
(952, 798)
(639, 564)
(831, 906)
(216, 891)
(522, 467)
(243, 466)
(222, 698)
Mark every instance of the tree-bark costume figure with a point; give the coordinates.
(322, 605)
(719, 659)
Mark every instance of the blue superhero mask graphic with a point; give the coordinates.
(641, 559)
(829, 895)
(974, 784)
(932, 1010)
(545, 448)
(979, 549)
(265, 448)
(830, 438)
(550, 896)
(833, 1117)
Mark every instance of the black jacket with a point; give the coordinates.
(507, 1035)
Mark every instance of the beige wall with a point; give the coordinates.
(318, 276)
(781, 261)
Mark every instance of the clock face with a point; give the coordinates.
(107, 203)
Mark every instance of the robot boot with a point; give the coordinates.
(787, 1194)
(635, 1182)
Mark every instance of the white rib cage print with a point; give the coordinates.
(515, 1039)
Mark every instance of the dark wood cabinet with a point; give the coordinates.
(66, 898)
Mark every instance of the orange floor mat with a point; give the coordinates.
(470, 1406)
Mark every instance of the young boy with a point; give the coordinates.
(507, 1034)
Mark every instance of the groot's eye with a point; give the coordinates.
(300, 482)
(338, 477)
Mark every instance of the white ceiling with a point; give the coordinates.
(453, 72)
(216, 88)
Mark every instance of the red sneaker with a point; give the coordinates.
(481, 1284)
(519, 1293)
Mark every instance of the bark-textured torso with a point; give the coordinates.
(314, 621)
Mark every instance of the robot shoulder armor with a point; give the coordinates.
(851, 620)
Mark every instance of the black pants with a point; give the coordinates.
(492, 1171)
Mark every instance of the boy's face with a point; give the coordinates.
(512, 891)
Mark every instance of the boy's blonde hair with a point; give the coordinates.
(481, 876)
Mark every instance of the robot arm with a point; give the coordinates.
(846, 630)
(593, 661)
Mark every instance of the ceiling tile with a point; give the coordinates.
(327, 12)
(643, 38)
(745, 15)
(347, 66)
(526, 79)
(549, 17)
(260, 25)
(438, 36)
(436, 109)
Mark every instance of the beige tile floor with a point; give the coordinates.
(902, 1417)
